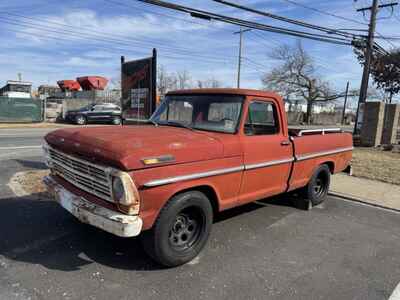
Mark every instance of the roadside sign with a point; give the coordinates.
(138, 85)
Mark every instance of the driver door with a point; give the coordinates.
(267, 152)
(95, 114)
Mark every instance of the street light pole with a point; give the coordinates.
(240, 53)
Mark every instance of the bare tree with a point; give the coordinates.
(296, 76)
(181, 80)
(184, 79)
(209, 83)
(165, 81)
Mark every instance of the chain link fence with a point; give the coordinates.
(20, 110)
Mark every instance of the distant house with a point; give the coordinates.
(17, 89)
(46, 91)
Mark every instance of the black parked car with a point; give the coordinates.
(95, 113)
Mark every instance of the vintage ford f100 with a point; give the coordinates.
(203, 151)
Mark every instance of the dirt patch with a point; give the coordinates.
(376, 165)
(29, 183)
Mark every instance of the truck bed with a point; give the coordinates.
(313, 147)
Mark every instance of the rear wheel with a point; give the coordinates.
(317, 189)
(80, 120)
(181, 229)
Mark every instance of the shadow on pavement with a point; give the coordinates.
(37, 230)
(32, 164)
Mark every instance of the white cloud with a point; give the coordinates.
(205, 49)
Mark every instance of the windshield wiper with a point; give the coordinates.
(178, 124)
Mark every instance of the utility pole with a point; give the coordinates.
(345, 102)
(368, 55)
(240, 52)
(367, 63)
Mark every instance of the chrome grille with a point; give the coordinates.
(87, 176)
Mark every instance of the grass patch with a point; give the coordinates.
(376, 165)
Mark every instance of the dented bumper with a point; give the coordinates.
(90, 213)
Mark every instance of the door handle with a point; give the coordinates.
(285, 143)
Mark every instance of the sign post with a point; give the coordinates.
(138, 86)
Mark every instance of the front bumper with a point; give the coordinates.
(90, 213)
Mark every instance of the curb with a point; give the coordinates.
(359, 200)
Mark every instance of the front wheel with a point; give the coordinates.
(317, 189)
(80, 120)
(181, 229)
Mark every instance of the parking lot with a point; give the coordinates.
(265, 250)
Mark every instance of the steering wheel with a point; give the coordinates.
(226, 119)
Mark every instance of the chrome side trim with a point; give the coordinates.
(169, 180)
(318, 154)
(268, 163)
(321, 130)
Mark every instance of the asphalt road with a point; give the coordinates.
(19, 143)
(266, 250)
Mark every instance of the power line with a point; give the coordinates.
(333, 15)
(254, 25)
(114, 49)
(256, 63)
(156, 13)
(287, 20)
(92, 32)
(324, 12)
(102, 38)
(266, 39)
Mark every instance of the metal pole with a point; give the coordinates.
(240, 32)
(122, 92)
(240, 57)
(45, 109)
(345, 102)
(367, 64)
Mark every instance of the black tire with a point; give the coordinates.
(80, 120)
(181, 229)
(316, 190)
(116, 121)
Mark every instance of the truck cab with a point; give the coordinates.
(203, 151)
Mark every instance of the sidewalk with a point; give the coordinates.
(367, 191)
(33, 125)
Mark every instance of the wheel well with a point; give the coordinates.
(208, 191)
(330, 165)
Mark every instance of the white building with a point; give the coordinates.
(16, 89)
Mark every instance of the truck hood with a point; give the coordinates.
(124, 147)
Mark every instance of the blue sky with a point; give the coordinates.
(96, 32)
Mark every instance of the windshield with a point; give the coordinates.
(219, 113)
(86, 108)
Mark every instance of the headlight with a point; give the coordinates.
(125, 193)
(119, 191)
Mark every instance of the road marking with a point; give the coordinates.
(18, 153)
(21, 147)
(396, 293)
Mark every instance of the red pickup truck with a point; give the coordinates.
(203, 151)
